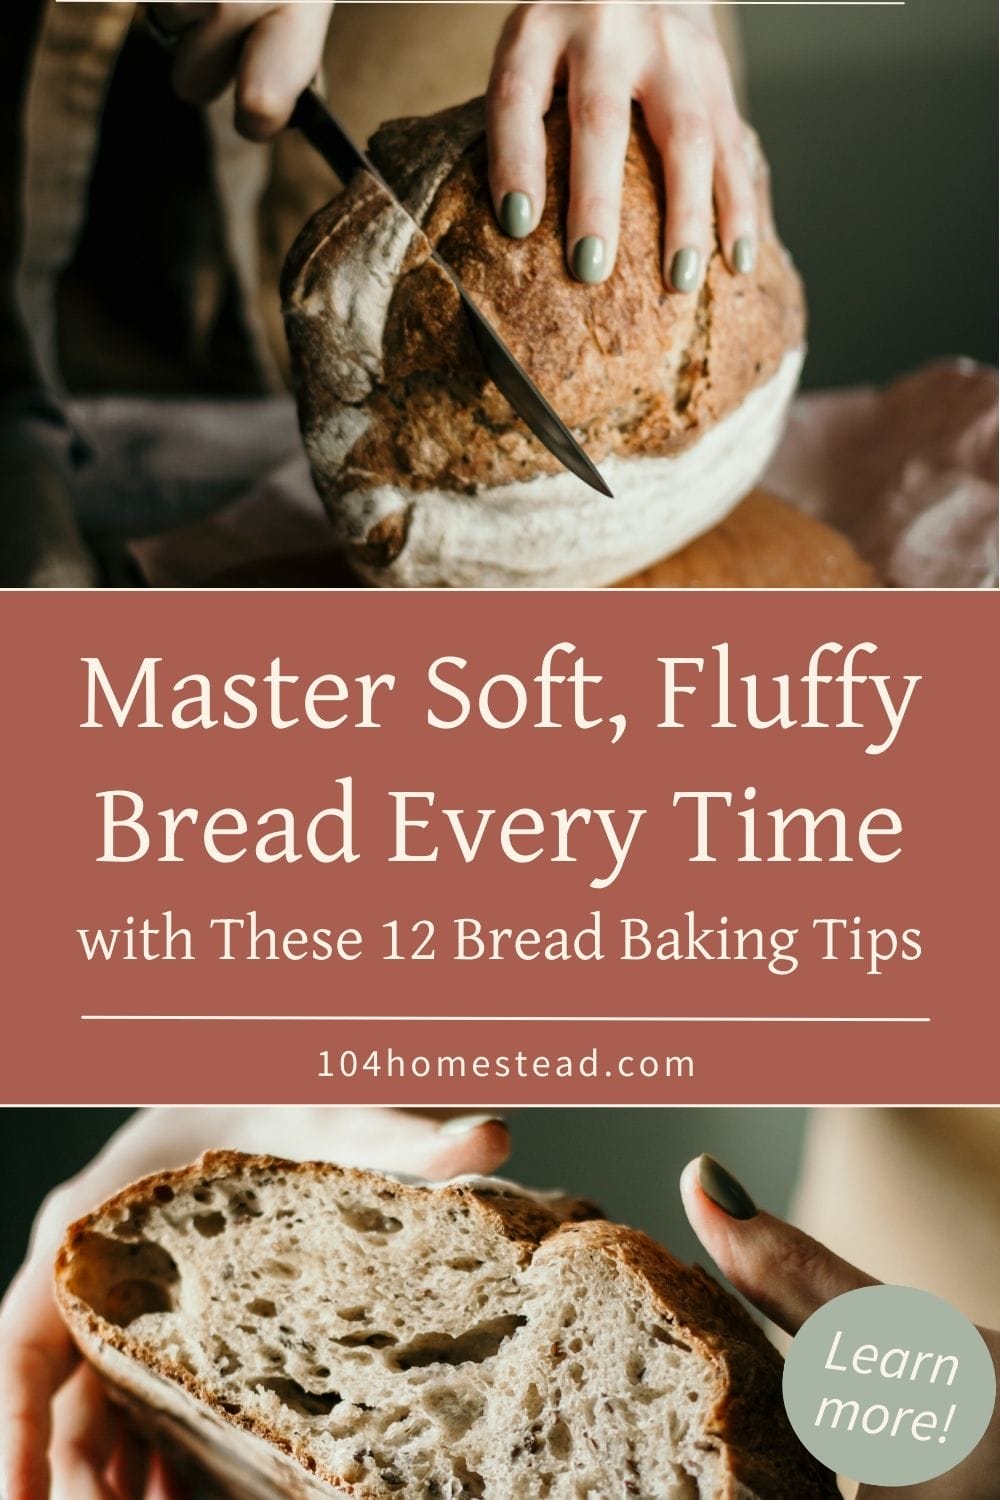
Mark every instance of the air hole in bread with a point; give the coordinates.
(227, 1360)
(472, 1483)
(282, 1269)
(244, 1206)
(134, 1223)
(559, 1440)
(664, 1336)
(352, 1314)
(369, 1220)
(533, 1402)
(209, 1225)
(128, 1300)
(472, 1347)
(261, 1307)
(304, 1403)
(123, 1281)
(454, 1411)
(367, 1341)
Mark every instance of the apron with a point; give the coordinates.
(130, 202)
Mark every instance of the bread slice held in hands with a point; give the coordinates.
(305, 1330)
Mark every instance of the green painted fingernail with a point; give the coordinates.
(516, 215)
(723, 1189)
(685, 270)
(744, 255)
(589, 258)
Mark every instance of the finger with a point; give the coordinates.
(779, 1269)
(388, 1140)
(281, 55)
(128, 1472)
(206, 55)
(735, 197)
(469, 1143)
(600, 112)
(164, 1484)
(85, 1432)
(974, 1478)
(38, 1356)
(518, 96)
(682, 132)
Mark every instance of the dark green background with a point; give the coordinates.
(881, 128)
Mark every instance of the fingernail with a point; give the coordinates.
(466, 1124)
(516, 215)
(685, 270)
(744, 255)
(589, 259)
(723, 1189)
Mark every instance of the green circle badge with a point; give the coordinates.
(889, 1385)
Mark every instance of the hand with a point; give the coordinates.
(56, 1427)
(271, 52)
(668, 58)
(788, 1276)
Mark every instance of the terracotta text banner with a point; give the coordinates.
(499, 848)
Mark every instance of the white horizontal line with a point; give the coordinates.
(728, 1020)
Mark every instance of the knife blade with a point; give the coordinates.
(325, 133)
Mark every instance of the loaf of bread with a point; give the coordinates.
(306, 1331)
(427, 473)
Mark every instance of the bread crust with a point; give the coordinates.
(763, 544)
(633, 368)
(247, 1453)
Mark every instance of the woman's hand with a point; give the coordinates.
(271, 52)
(668, 58)
(59, 1437)
(788, 1276)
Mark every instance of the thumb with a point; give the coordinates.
(779, 1269)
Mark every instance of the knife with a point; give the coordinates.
(325, 133)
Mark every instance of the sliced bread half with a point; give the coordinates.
(306, 1330)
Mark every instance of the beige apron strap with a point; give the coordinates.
(74, 60)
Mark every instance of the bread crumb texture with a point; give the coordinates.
(305, 1330)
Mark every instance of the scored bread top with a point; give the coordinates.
(746, 1447)
(391, 389)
